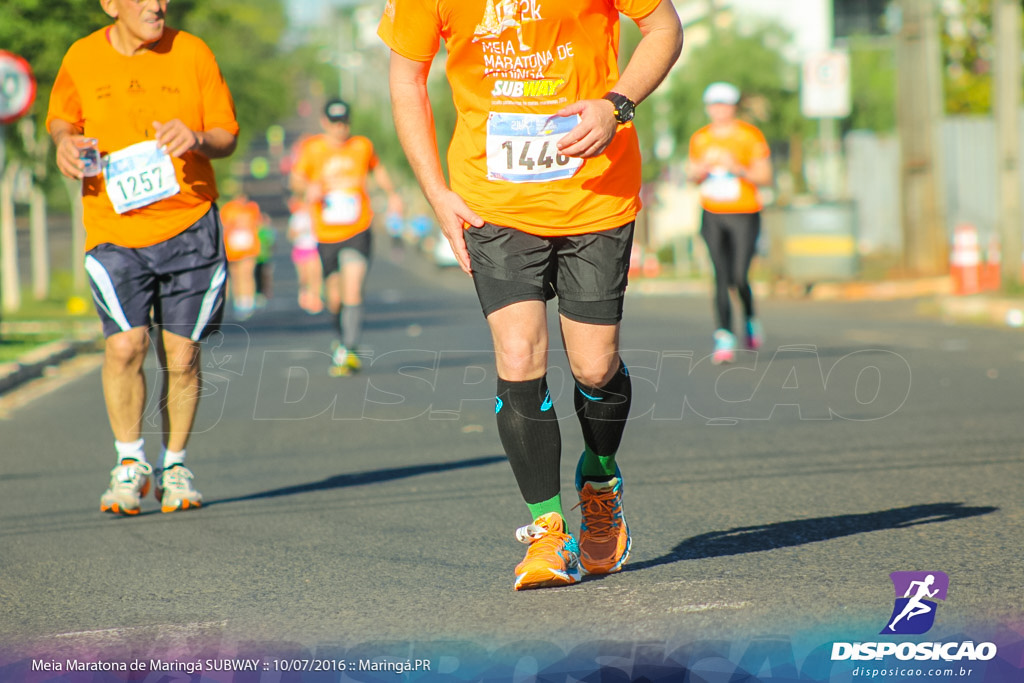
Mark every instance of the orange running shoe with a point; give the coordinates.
(553, 557)
(604, 535)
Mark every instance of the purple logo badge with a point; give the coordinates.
(916, 592)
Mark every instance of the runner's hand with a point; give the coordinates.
(453, 214)
(314, 193)
(592, 134)
(698, 171)
(175, 138)
(395, 204)
(67, 157)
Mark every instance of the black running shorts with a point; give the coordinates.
(332, 256)
(180, 281)
(588, 273)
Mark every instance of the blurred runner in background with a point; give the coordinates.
(265, 261)
(330, 174)
(242, 217)
(730, 159)
(305, 256)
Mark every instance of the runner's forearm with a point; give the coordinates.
(216, 143)
(414, 122)
(383, 180)
(60, 129)
(760, 172)
(655, 54)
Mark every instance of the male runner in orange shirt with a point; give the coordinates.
(155, 100)
(330, 175)
(730, 158)
(545, 181)
(242, 217)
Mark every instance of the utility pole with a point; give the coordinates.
(1006, 21)
(919, 115)
(10, 282)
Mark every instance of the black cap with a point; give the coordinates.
(336, 111)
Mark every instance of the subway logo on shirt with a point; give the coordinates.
(541, 88)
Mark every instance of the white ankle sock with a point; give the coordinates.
(172, 458)
(130, 450)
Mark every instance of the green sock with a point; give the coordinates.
(553, 504)
(595, 466)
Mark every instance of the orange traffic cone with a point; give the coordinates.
(965, 261)
(991, 275)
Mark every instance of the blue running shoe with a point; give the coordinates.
(725, 347)
(755, 334)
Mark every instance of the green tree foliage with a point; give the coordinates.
(755, 63)
(968, 51)
(872, 85)
(245, 36)
(41, 32)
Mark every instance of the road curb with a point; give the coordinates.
(33, 364)
(983, 309)
(859, 290)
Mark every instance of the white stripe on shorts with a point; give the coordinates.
(107, 294)
(209, 299)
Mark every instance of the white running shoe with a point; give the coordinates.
(174, 490)
(129, 483)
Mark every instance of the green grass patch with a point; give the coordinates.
(64, 303)
(64, 313)
(13, 346)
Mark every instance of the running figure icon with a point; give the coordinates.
(916, 596)
(915, 606)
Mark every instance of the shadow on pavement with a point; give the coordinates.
(754, 539)
(339, 481)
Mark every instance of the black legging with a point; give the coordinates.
(731, 240)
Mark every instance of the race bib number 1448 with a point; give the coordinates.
(522, 148)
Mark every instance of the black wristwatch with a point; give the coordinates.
(624, 107)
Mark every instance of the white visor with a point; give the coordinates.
(721, 93)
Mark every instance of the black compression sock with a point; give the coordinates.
(529, 432)
(602, 412)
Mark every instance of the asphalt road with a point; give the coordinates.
(769, 500)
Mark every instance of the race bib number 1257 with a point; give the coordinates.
(139, 175)
(522, 148)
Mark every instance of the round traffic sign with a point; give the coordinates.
(17, 87)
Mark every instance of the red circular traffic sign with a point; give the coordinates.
(17, 87)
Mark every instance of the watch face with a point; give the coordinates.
(623, 107)
(626, 111)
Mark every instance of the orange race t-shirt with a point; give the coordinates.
(116, 98)
(241, 221)
(723, 192)
(341, 171)
(511, 65)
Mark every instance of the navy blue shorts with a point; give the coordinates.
(177, 284)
